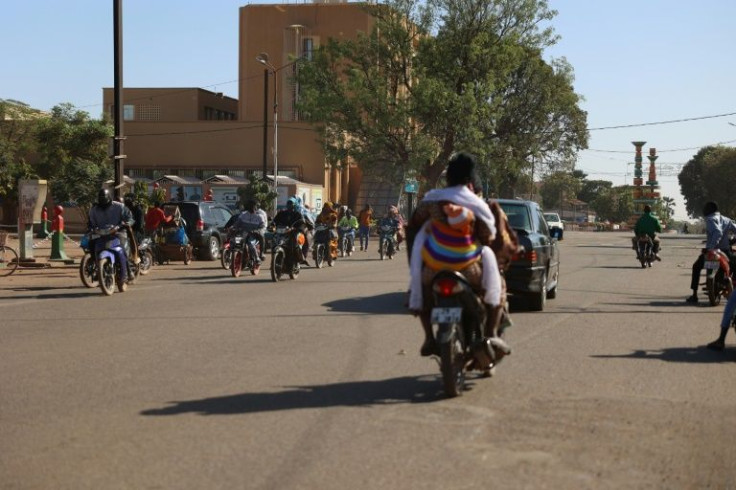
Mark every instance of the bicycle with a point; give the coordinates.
(8, 256)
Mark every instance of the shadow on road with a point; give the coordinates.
(699, 354)
(407, 389)
(386, 304)
(615, 266)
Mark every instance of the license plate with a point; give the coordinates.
(446, 315)
(712, 264)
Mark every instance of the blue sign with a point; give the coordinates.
(411, 186)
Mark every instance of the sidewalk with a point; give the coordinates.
(43, 273)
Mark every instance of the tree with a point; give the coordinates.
(591, 189)
(665, 207)
(432, 78)
(709, 176)
(558, 186)
(259, 190)
(17, 142)
(78, 182)
(615, 204)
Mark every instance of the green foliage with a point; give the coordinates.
(591, 189)
(709, 176)
(259, 190)
(17, 141)
(615, 204)
(437, 77)
(140, 194)
(158, 195)
(79, 181)
(559, 186)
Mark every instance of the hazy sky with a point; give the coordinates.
(635, 62)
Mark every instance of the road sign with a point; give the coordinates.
(411, 186)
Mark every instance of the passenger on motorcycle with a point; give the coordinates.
(252, 220)
(328, 217)
(347, 226)
(452, 228)
(108, 213)
(293, 217)
(718, 231)
(649, 225)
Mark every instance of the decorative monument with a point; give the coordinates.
(644, 192)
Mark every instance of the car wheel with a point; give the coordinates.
(538, 300)
(213, 248)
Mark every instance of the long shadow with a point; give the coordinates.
(616, 267)
(407, 389)
(699, 355)
(383, 304)
(87, 293)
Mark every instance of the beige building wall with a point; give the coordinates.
(170, 131)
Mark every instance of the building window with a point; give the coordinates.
(149, 113)
(128, 112)
(308, 48)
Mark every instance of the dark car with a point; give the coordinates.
(205, 226)
(534, 272)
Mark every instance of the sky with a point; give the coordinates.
(637, 63)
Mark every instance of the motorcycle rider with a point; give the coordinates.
(457, 211)
(291, 216)
(391, 219)
(328, 217)
(718, 231)
(348, 221)
(254, 222)
(647, 224)
(137, 211)
(108, 213)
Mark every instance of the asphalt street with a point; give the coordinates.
(193, 379)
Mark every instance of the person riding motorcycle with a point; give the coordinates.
(718, 231)
(293, 217)
(351, 222)
(647, 224)
(458, 213)
(253, 221)
(328, 217)
(391, 219)
(108, 213)
(138, 218)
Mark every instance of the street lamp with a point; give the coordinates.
(263, 59)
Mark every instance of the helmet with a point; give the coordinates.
(129, 198)
(104, 198)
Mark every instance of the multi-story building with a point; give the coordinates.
(192, 132)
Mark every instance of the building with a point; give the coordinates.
(195, 133)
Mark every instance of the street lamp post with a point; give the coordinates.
(263, 59)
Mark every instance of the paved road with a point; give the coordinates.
(193, 379)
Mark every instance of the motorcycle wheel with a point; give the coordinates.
(106, 272)
(294, 271)
(146, 262)
(710, 287)
(237, 264)
(226, 258)
(382, 249)
(452, 364)
(277, 264)
(88, 271)
(319, 255)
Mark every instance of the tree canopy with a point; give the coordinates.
(709, 176)
(436, 77)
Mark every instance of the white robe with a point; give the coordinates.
(491, 278)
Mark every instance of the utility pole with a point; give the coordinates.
(265, 123)
(118, 138)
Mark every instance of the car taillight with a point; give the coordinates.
(447, 287)
(530, 255)
(200, 225)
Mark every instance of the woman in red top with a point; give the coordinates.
(154, 217)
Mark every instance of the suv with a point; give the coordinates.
(205, 225)
(534, 272)
(556, 228)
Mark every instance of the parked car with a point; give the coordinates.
(556, 227)
(534, 272)
(205, 226)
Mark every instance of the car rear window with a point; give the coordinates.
(518, 215)
(551, 217)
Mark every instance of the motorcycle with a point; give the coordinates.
(386, 241)
(245, 253)
(145, 253)
(345, 246)
(645, 251)
(458, 318)
(321, 251)
(718, 277)
(286, 252)
(108, 254)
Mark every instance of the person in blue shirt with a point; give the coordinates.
(718, 231)
(720, 343)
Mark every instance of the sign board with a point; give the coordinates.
(31, 197)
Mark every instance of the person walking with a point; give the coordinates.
(364, 220)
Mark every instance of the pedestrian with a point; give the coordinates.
(364, 220)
